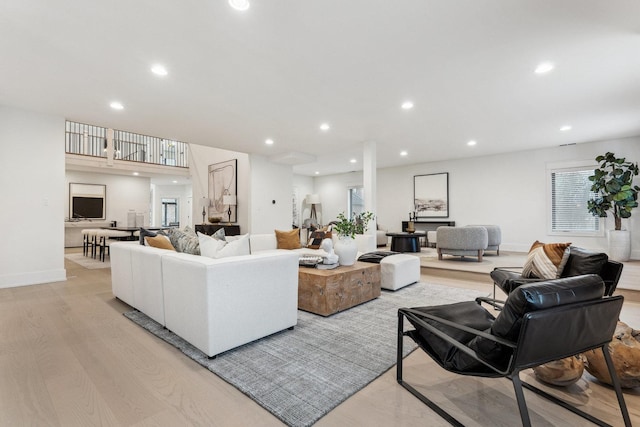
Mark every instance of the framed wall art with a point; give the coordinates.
(431, 195)
(223, 184)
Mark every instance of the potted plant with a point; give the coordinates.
(613, 183)
(346, 229)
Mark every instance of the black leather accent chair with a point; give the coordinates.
(540, 322)
(580, 261)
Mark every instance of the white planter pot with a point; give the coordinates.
(619, 245)
(346, 249)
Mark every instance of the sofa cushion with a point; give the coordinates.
(159, 241)
(288, 239)
(184, 241)
(219, 234)
(544, 260)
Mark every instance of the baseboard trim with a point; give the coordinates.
(32, 278)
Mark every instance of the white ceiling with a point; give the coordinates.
(285, 66)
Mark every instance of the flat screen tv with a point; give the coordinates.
(87, 207)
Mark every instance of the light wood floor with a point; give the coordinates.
(69, 358)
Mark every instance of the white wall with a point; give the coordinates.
(271, 193)
(509, 190)
(303, 185)
(31, 190)
(124, 193)
(199, 160)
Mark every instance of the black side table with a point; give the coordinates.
(209, 229)
(406, 242)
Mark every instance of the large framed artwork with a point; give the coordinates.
(223, 181)
(431, 195)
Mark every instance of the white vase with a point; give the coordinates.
(346, 249)
(619, 245)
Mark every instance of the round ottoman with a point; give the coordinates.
(397, 271)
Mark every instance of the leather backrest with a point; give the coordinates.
(582, 261)
(543, 295)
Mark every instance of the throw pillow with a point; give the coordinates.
(159, 241)
(236, 247)
(184, 242)
(317, 237)
(544, 260)
(219, 234)
(144, 233)
(209, 246)
(288, 239)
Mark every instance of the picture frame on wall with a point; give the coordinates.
(223, 181)
(431, 195)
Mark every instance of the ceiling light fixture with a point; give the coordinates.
(565, 128)
(544, 67)
(403, 153)
(325, 127)
(268, 141)
(353, 161)
(136, 174)
(116, 105)
(159, 70)
(471, 143)
(174, 181)
(407, 105)
(240, 5)
(317, 173)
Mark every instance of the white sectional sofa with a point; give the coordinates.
(215, 304)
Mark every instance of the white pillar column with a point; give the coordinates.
(369, 184)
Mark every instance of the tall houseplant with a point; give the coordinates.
(613, 183)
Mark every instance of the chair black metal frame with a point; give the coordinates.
(610, 274)
(537, 328)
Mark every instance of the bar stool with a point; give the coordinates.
(89, 236)
(105, 237)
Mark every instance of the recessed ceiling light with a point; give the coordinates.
(136, 174)
(403, 153)
(565, 128)
(240, 5)
(116, 105)
(544, 67)
(174, 181)
(471, 143)
(325, 127)
(268, 141)
(159, 70)
(407, 105)
(353, 161)
(317, 173)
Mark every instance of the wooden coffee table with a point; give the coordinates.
(326, 292)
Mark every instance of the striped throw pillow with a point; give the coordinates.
(545, 260)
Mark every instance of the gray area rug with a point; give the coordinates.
(87, 261)
(301, 375)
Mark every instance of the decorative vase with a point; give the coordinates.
(619, 245)
(411, 227)
(346, 249)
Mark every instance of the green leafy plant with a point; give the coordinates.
(613, 183)
(351, 226)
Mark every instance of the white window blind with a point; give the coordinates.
(570, 191)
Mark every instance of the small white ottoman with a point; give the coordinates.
(398, 271)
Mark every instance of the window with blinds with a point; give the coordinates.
(570, 191)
